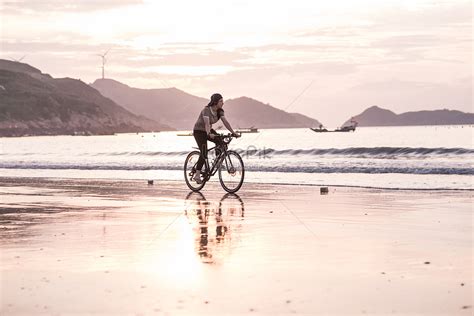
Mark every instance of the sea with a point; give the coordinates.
(414, 157)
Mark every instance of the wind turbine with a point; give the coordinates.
(18, 60)
(104, 60)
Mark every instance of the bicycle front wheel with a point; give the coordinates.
(190, 170)
(232, 172)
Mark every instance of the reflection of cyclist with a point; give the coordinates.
(203, 210)
(203, 241)
(201, 206)
(203, 131)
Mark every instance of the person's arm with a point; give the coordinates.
(207, 126)
(227, 125)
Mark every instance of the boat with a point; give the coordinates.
(319, 130)
(251, 129)
(185, 134)
(347, 128)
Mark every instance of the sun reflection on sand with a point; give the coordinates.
(182, 268)
(202, 236)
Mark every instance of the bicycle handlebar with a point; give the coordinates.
(226, 138)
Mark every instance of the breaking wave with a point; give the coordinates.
(259, 168)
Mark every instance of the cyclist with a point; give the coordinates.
(203, 131)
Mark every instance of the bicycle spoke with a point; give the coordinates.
(190, 171)
(231, 172)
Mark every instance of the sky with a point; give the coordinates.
(329, 60)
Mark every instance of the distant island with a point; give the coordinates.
(179, 109)
(376, 116)
(34, 103)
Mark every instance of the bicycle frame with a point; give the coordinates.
(213, 165)
(211, 171)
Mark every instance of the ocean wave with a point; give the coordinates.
(358, 152)
(268, 168)
(363, 151)
(351, 151)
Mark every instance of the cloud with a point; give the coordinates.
(49, 46)
(243, 76)
(210, 58)
(195, 55)
(24, 6)
(189, 44)
(436, 15)
(339, 31)
(405, 95)
(396, 33)
(298, 47)
(412, 41)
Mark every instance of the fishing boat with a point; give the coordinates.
(347, 128)
(319, 130)
(251, 129)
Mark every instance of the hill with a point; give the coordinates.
(33, 103)
(180, 109)
(376, 116)
(246, 112)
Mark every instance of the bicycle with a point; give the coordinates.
(228, 163)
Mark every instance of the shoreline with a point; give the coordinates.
(246, 182)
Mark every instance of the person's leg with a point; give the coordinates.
(201, 140)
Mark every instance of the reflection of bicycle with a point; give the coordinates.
(228, 163)
(229, 205)
(213, 248)
(232, 204)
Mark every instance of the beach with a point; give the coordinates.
(126, 247)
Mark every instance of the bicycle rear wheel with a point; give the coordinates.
(190, 170)
(232, 172)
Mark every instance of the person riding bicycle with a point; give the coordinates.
(203, 131)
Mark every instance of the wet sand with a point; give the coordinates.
(106, 247)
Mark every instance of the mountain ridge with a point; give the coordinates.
(33, 103)
(178, 108)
